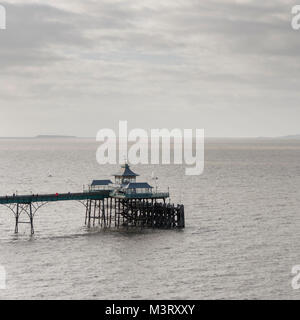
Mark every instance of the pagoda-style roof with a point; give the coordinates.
(138, 185)
(101, 182)
(125, 171)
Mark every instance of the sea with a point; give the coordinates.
(241, 240)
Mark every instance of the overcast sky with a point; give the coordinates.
(73, 67)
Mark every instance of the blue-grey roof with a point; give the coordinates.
(138, 185)
(125, 171)
(101, 182)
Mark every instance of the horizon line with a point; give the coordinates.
(54, 136)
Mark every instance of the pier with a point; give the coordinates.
(124, 203)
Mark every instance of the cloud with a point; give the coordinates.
(36, 32)
(176, 61)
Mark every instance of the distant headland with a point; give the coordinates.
(295, 136)
(49, 136)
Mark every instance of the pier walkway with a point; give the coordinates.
(26, 199)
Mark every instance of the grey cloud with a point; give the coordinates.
(146, 60)
(33, 33)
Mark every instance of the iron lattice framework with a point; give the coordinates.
(29, 209)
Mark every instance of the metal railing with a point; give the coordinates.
(150, 195)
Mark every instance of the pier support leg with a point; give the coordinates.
(99, 212)
(110, 209)
(89, 214)
(180, 217)
(115, 211)
(119, 209)
(31, 218)
(86, 211)
(103, 213)
(95, 207)
(17, 220)
(137, 212)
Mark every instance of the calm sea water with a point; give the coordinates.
(241, 240)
